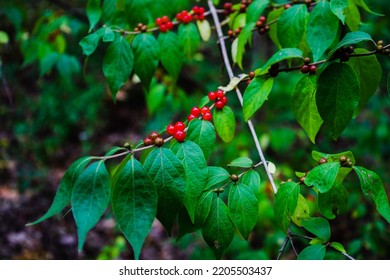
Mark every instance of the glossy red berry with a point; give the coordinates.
(219, 105)
(179, 126)
(313, 69)
(158, 21)
(180, 136)
(153, 135)
(191, 117)
(163, 28)
(212, 95)
(224, 100)
(148, 141)
(195, 111)
(207, 116)
(171, 129)
(165, 19)
(205, 110)
(169, 25)
(219, 94)
(305, 69)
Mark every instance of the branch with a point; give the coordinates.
(239, 95)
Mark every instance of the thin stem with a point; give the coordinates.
(348, 256)
(281, 251)
(239, 95)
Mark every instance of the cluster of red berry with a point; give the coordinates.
(177, 130)
(219, 98)
(228, 8)
(164, 24)
(184, 17)
(307, 68)
(204, 112)
(198, 12)
(262, 26)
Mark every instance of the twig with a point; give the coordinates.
(281, 251)
(239, 95)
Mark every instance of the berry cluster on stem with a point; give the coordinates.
(164, 24)
(204, 112)
(219, 98)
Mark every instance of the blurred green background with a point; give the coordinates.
(55, 107)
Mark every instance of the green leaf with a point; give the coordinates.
(301, 212)
(204, 206)
(167, 174)
(90, 198)
(218, 230)
(4, 38)
(195, 167)
(118, 64)
(243, 208)
(255, 10)
(243, 38)
(281, 55)
(251, 178)
(202, 133)
(369, 74)
(352, 14)
(255, 95)
(216, 175)
(285, 203)
(134, 203)
(225, 123)
(363, 4)
(338, 7)
(292, 25)
(334, 201)
(351, 39)
(339, 247)
(313, 252)
(323, 176)
(321, 29)
(64, 192)
(184, 223)
(304, 106)
(234, 50)
(171, 55)
(318, 226)
(90, 42)
(371, 182)
(155, 96)
(273, 28)
(189, 38)
(337, 96)
(146, 57)
(243, 162)
(109, 34)
(93, 13)
(204, 29)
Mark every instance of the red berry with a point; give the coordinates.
(163, 27)
(219, 105)
(219, 94)
(191, 117)
(195, 111)
(227, 5)
(169, 25)
(262, 18)
(204, 110)
(305, 69)
(212, 95)
(148, 141)
(171, 129)
(165, 19)
(195, 9)
(180, 136)
(207, 116)
(153, 135)
(201, 10)
(224, 100)
(313, 69)
(179, 126)
(158, 21)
